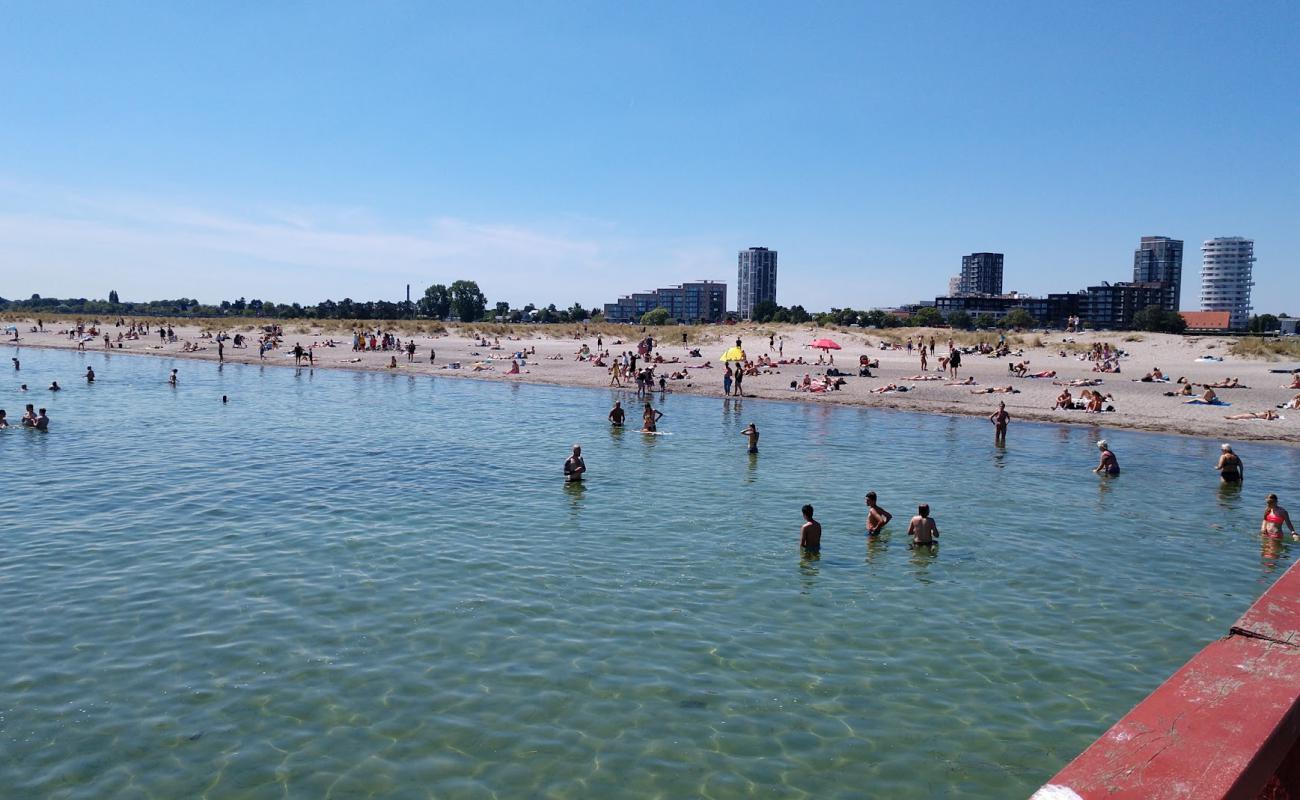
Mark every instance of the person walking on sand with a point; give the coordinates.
(1000, 418)
(616, 415)
(1230, 468)
(954, 361)
(740, 374)
(810, 534)
(574, 466)
(1275, 517)
(649, 418)
(752, 434)
(922, 529)
(877, 517)
(1109, 465)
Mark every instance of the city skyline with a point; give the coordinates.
(190, 152)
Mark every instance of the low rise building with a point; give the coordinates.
(698, 301)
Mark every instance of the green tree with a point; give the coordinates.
(436, 302)
(1263, 323)
(658, 316)
(1018, 318)
(960, 320)
(467, 302)
(763, 311)
(798, 315)
(928, 317)
(1154, 318)
(986, 321)
(577, 313)
(112, 297)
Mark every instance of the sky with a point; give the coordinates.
(561, 152)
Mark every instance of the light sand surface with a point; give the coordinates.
(1137, 405)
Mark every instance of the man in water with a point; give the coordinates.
(810, 535)
(55, 387)
(90, 374)
(172, 379)
(574, 466)
(4, 423)
(1000, 418)
(616, 415)
(29, 416)
(752, 433)
(42, 422)
(922, 529)
(877, 517)
(17, 366)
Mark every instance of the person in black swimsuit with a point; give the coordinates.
(1230, 468)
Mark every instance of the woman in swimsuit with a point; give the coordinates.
(1275, 517)
(1109, 464)
(1230, 468)
(649, 418)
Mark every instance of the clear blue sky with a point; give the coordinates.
(575, 151)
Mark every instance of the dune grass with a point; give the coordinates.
(1284, 349)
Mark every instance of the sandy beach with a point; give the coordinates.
(1138, 405)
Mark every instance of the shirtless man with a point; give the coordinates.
(877, 517)
(616, 415)
(4, 423)
(1064, 400)
(1000, 418)
(172, 379)
(29, 416)
(574, 466)
(42, 422)
(752, 433)
(810, 535)
(996, 390)
(922, 529)
(90, 374)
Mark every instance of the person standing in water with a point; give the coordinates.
(616, 415)
(90, 374)
(1230, 468)
(877, 517)
(1000, 418)
(1275, 517)
(922, 529)
(43, 424)
(810, 535)
(574, 466)
(172, 379)
(752, 433)
(1109, 464)
(649, 418)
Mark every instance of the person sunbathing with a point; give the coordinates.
(1077, 382)
(1185, 391)
(1095, 404)
(1293, 403)
(1230, 383)
(923, 378)
(1269, 414)
(996, 390)
(893, 387)
(1295, 382)
(1047, 373)
(970, 381)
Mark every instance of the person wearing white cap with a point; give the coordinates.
(1109, 464)
(1230, 468)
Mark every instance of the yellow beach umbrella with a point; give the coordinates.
(733, 354)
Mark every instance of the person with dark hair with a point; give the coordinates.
(922, 529)
(42, 422)
(752, 433)
(877, 517)
(574, 466)
(810, 535)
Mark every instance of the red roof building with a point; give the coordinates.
(1215, 321)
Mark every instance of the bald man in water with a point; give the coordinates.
(574, 466)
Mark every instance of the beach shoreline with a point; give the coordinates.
(1139, 406)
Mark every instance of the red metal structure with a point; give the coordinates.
(1226, 725)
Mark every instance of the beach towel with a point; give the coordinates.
(1196, 401)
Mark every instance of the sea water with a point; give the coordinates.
(361, 584)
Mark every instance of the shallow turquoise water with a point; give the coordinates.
(367, 585)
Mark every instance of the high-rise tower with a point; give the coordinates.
(1226, 267)
(1159, 258)
(756, 281)
(981, 273)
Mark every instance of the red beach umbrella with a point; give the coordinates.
(824, 344)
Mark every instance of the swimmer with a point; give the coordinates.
(810, 534)
(1275, 517)
(42, 422)
(616, 415)
(574, 466)
(224, 399)
(752, 433)
(29, 416)
(922, 529)
(1000, 418)
(1230, 468)
(55, 387)
(649, 418)
(17, 366)
(172, 378)
(4, 423)
(90, 375)
(1109, 464)
(877, 517)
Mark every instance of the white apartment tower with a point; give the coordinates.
(1226, 265)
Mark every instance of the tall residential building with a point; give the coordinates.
(1226, 266)
(756, 281)
(981, 273)
(1159, 258)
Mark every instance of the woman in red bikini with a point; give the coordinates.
(1275, 517)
